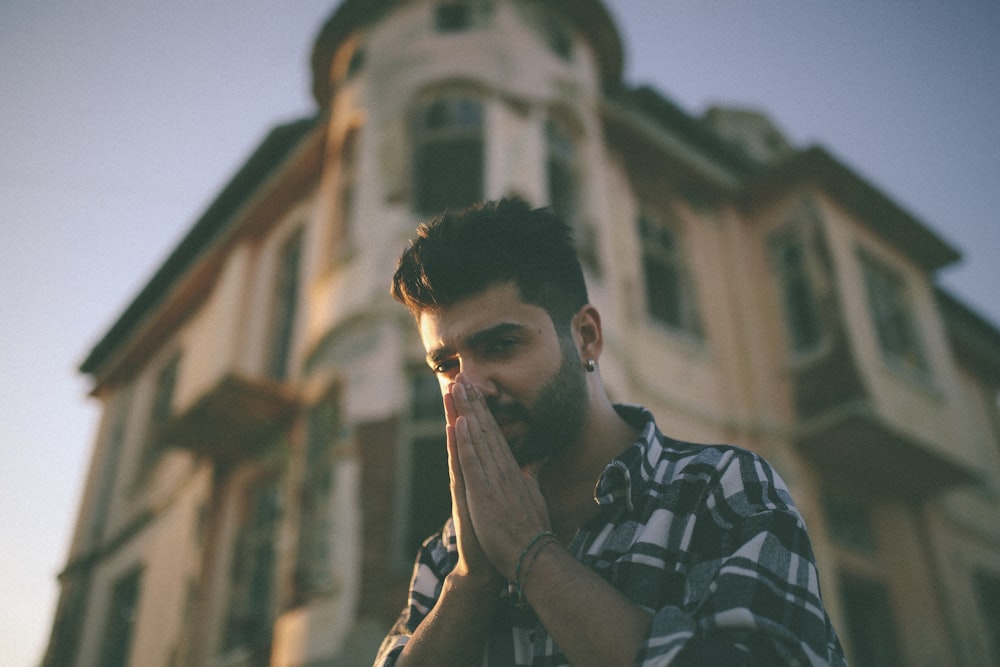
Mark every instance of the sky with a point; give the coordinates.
(120, 120)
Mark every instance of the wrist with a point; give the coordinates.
(471, 584)
(529, 555)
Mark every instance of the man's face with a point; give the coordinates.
(532, 380)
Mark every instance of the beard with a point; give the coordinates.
(554, 420)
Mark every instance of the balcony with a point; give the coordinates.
(829, 379)
(852, 442)
(235, 420)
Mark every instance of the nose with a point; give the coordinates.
(480, 376)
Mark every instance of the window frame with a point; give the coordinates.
(160, 412)
(801, 280)
(241, 596)
(324, 431)
(120, 618)
(894, 320)
(562, 167)
(453, 16)
(342, 240)
(423, 506)
(672, 258)
(285, 295)
(115, 440)
(885, 642)
(462, 132)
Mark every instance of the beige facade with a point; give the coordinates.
(271, 452)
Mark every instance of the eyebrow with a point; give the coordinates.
(475, 339)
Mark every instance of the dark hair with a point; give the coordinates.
(460, 254)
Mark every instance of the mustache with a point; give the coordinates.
(507, 411)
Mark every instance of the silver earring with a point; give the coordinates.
(591, 366)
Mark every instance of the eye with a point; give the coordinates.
(446, 367)
(501, 346)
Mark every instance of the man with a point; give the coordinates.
(580, 535)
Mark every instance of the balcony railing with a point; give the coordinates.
(235, 420)
(852, 441)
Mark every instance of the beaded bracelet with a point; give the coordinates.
(531, 564)
(524, 552)
(518, 578)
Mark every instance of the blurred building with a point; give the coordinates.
(271, 449)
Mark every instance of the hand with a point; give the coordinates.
(472, 562)
(502, 502)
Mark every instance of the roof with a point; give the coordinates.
(760, 180)
(876, 209)
(696, 131)
(590, 17)
(973, 336)
(262, 162)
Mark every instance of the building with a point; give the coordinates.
(271, 451)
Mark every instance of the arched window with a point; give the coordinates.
(285, 307)
(461, 15)
(557, 36)
(342, 240)
(448, 154)
(561, 168)
(452, 17)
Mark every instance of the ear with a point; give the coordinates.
(587, 333)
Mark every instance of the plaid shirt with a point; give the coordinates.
(705, 538)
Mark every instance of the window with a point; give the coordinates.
(286, 294)
(461, 15)
(797, 296)
(557, 35)
(988, 591)
(849, 523)
(114, 442)
(870, 627)
(119, 626)
(347, 179)
(670, 296)
(430, 497)
(68, 624)
(251, 571)
(448, 154)
(452, 17)
(356, 62)
(315, 532)
(561, 169)
(160, 412)
(890, 311)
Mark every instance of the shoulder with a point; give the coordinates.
(696, 473)
(711, 474)
(439, 552)
(725, 474)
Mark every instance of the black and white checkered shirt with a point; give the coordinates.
(704, 537)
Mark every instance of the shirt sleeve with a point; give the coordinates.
(752, 594)
(435, 560)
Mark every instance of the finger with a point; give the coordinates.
(450, 412)
(484, 426)
(459, 499)
(465, 532)
(486, 444)
(468, 452)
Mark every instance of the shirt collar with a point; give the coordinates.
(625, 478)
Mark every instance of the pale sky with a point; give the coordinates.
(121, 120)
